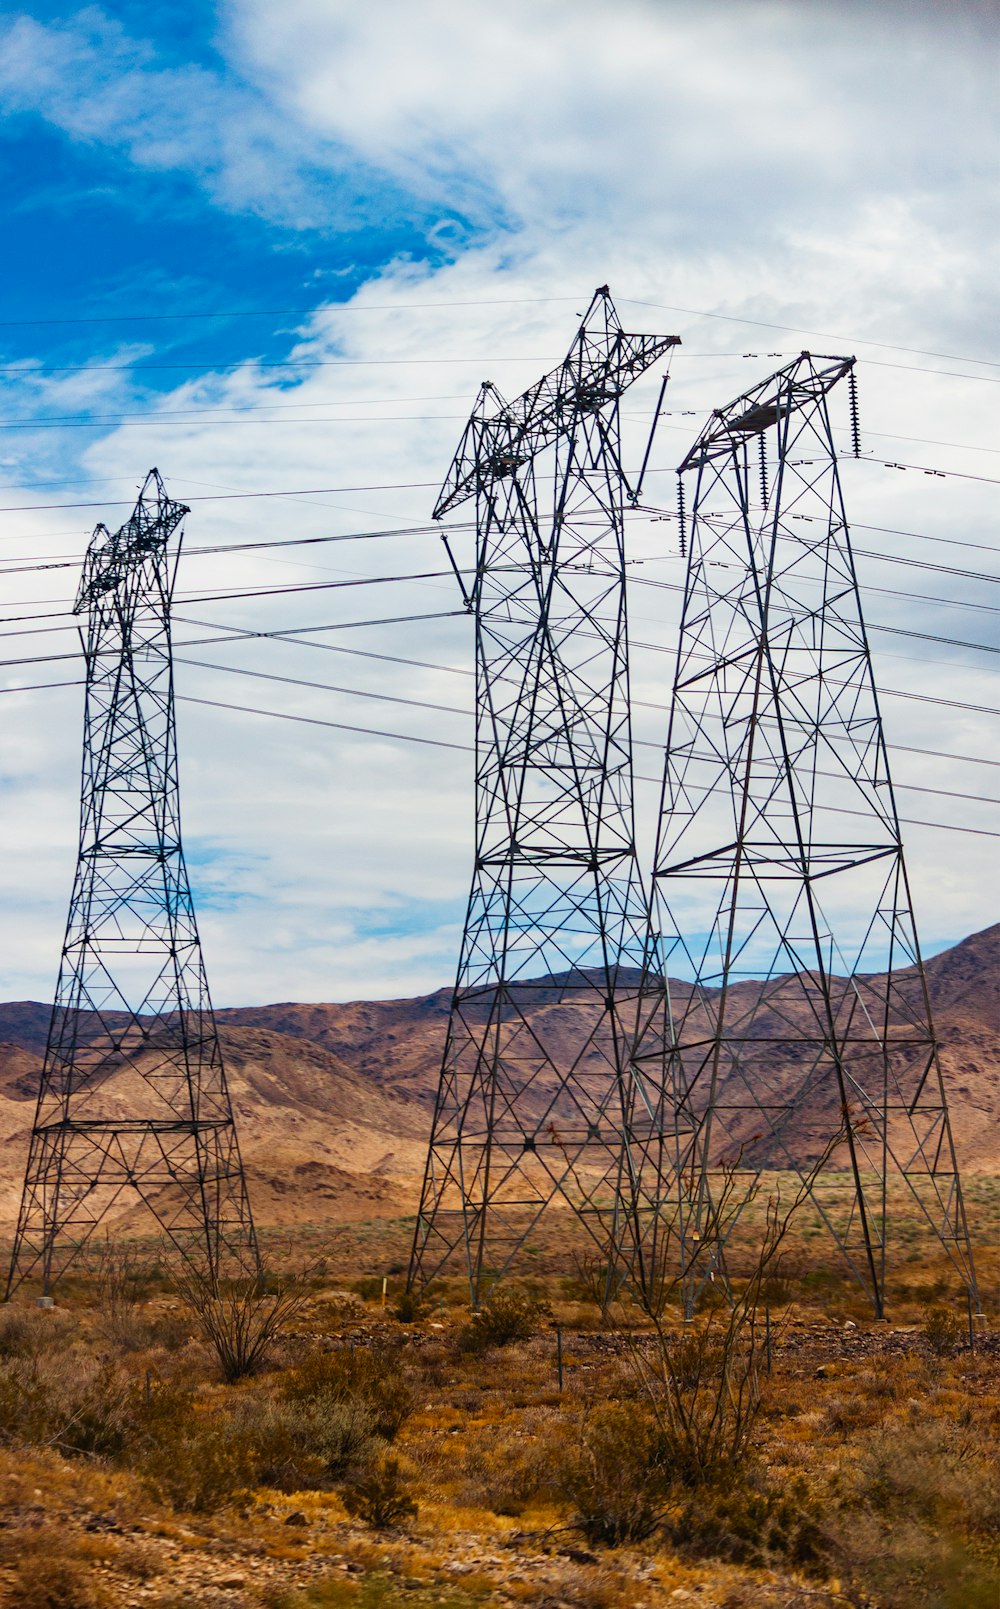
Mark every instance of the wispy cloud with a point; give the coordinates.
(106, 89)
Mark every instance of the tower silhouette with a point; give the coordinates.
(801, 1009)
(535, 1090)
(133, 1096)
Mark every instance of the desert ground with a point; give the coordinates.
(784, 1450)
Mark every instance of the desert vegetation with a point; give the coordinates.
(307, 1443)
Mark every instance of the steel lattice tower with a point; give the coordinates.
(779, 880)
(133, 1094)
(535, 1087)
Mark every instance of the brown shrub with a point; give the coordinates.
(854, 1412)
(241, 1321)
(505, 1471)
(170, 1329)
(923, 1509)
(66, 1400)
(49, 1573)
(121, 1273)
(27, 1332)
(139, 1559)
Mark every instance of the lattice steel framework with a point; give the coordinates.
(535, 1087)
(779, 880)
(133, 1095)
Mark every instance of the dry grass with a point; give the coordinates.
(868, 1476)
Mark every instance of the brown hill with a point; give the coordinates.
(333, 1101)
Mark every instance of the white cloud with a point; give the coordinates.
(670, 118)
(767, 162)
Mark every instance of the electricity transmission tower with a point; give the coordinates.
(779, 880)
(133, 1095)
(535, 1090)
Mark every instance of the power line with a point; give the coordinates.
(25, 372)
(392, 486)
(896, 631)
(296, 637)
(467, 748)
(453, 709)
(241, 594)
(233, 497)
(824, 335)
(72, 562)
(339, 308)
(328, 687)
(282, 312)
(236, 595)
(947, 374)
(196, 412)
(128, 423)
(924, 469)
(183, 417)
(883, 692)
(924, 536)
(64, 561)
(869, 553)
(932, 441)
(340, 726)
(340, 625)
(43, 687)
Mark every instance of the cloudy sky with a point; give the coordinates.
(275, 249)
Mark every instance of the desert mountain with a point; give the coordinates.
(334, 1101)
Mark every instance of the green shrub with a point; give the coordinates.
(943, 1331)
(68, 1401)
(615, 1478)
(369, 1288)
(367, 1377)
(409, 1307)
(747, 1522)
(507, 1315)
(203, 1467)
(307, 1442)
(380, 1496)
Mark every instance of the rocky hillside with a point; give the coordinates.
(334, 1101)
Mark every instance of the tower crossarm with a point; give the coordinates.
(801, 384)
(112, 558)
(600, 365)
